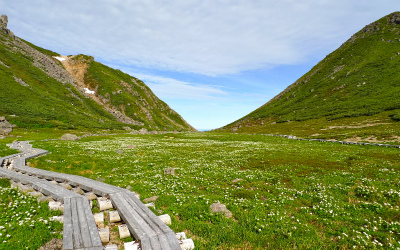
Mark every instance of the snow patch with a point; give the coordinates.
(59, 58)
(88, 91)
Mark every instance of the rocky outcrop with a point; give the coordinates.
(20, 81)
(69, 137)
(5, 126)
(121, 117)
(3, 26)
(220, 208)
(3, 21)
(46, 63)
(394, 18)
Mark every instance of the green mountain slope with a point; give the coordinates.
(359, 80)
(37, 90)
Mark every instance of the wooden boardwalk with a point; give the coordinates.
(80, 231)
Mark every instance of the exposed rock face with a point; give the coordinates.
(20, 81)
(143, 131)
(46, 63)
(3, 26)
(5, 126)
(395, 18)
(69, 137)
(3, 21)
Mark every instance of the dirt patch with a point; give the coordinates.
(54, 244)
(76, 69)
(356, 126)
(86, 172)
(373, 139)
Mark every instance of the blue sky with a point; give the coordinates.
(213, 61)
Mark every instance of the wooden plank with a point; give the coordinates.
(137, 218)
(84, 228)
(17, 176)
(77, 236)
(53, 190)
(94, 248)
(135, 227)
(162, 238)
(173, 241)
(145, 243)
(154, 218)
(94, 233)
(67, 229)
(155, 243)
(144, 214)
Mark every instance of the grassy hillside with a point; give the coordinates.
(359, 79)
(132, 97)
(36, 91)
(43, 101)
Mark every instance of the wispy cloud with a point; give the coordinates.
(165, 87)
(209, 37)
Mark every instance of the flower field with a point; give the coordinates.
(24, 223)
(284, 194)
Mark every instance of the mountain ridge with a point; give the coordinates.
(41, 88)
(359, 79)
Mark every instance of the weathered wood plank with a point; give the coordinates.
(155, 243)
(77, 236)
(145, 243)
(67, 229)
(83, 225)
(145, 213)
(140, 206)
(55, 191)
(94, 233)
(163, 240)
(134, 221)
(173, 241)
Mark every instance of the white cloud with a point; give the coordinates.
(165, 87)
(210, 37)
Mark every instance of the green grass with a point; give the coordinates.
(292, 194)
(5, 150)
(45, 103)
(359, 79)
(122, 89)
(24, 223)
(379, 127)
(44, 51)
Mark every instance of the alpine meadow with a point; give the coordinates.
(315, 167)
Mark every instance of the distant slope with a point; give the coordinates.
(125, 97)
(360, 79)
(36, 90)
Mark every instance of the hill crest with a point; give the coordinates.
(357, 80)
